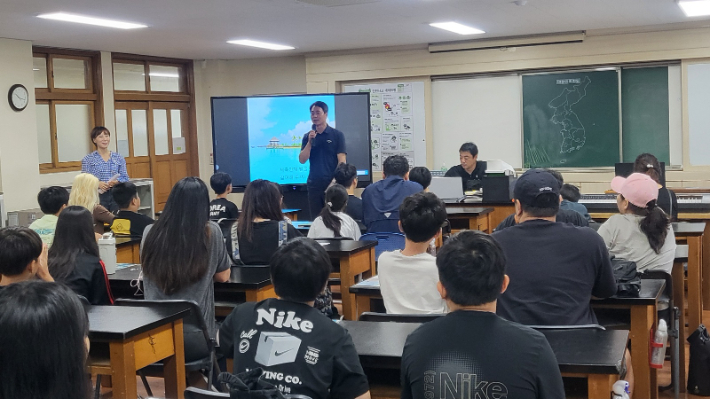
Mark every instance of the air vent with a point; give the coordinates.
(337, 3)
(504, 42)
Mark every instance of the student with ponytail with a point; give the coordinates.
(333, 221)
(648, 164)
(642, 231)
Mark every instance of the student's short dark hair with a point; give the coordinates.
(421, 175)
(570, 192)
(299, 269)
(345, 173)
(471, 268)
(395, 165)
(51, 199)
(545, 206)
(422, 215)
(220, 181)
(469, 147)
(557, 175)
(18, 247)
(123, 194)
(321, 105)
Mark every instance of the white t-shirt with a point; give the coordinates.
(348, 228)
(623, 237)
(408, 283)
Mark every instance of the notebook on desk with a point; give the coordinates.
(447, 188)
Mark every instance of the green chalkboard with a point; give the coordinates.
(644, 113)
(571, 119)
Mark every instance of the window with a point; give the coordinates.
(68, 106)
(148, 77)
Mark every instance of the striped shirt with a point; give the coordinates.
(93, 163)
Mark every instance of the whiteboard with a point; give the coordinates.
(398, 121)
(484, 110)
(699, 113)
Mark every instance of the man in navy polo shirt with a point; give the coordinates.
(324, 147)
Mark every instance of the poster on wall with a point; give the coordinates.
(397, 119)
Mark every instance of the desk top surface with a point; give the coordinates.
(345, 247)
(688, 228)
(255, 276)
(577, 351)
(118, 323)
(467, 210)
(124, 240)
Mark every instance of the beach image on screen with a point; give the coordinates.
(276, 128)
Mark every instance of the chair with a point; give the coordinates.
(333, 238)
(385, 241)
(226, 226)
(400, 318)
(671, 313)
(389, 225)
(192, 323)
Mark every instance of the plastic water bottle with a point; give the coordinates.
(620, 390)
(107, 252)
(659, 345)
(443, 167)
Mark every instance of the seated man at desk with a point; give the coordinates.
(381, 200)
(482, 355)
(563, 215)
(470, 170)
(287, 337)
(554, 268)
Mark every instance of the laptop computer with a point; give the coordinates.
(447, 188)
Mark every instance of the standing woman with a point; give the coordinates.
(183, 254)
(74, 257)
(108, 166)
(85, 192)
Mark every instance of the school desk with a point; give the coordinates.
(468, 217)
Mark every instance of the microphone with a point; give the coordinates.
(313, 143)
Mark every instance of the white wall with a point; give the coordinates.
(19, 159)
(213, 78)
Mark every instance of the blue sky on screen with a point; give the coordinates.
(287, 118)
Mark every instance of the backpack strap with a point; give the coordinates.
(235, 245)
(283, 232)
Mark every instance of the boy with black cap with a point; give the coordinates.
(554, 268)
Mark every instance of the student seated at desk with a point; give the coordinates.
(346, 176)
(484, 354)
(562, 216)
(570, 200)
(183, 254)
(261, 227)
(43, 342)
(128, 221)
(51, 201)
(286, 336)
(554, 268)
(74, 257)
(22, 256)
(421, 175)
(221, 207)
(85, 192)
(408, 277)
(381, 200)
(332, 221)
(641, 232)
(471, 170)
(667, 200)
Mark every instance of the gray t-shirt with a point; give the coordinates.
(202, 291)
(623, 237)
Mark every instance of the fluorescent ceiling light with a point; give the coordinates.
(254, 43)
(457, 28)
(695, 8)
(81, 19)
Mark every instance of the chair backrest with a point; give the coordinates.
(385, 241)
(192, 322)
(385, 225)
(400, 318)
(225, 225)
(579, 327)
(660, 275)
(197, 393)
(332, 238)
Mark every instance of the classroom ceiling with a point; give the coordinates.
(199, 29)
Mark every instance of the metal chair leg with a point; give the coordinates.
(97, 390)
(145, 383)
(675, 360)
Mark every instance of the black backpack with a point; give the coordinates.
(628, 282)
(699, 364)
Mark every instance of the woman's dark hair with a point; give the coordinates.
(176, 249)
(299, 269)
(648, 164)
(42, 342)
(336, 199)
(95, 132)
(654, 224)
(262, 199)
(73, 236)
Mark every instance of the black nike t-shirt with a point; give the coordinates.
(301, 350)
(481, 355)
(222, 208)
